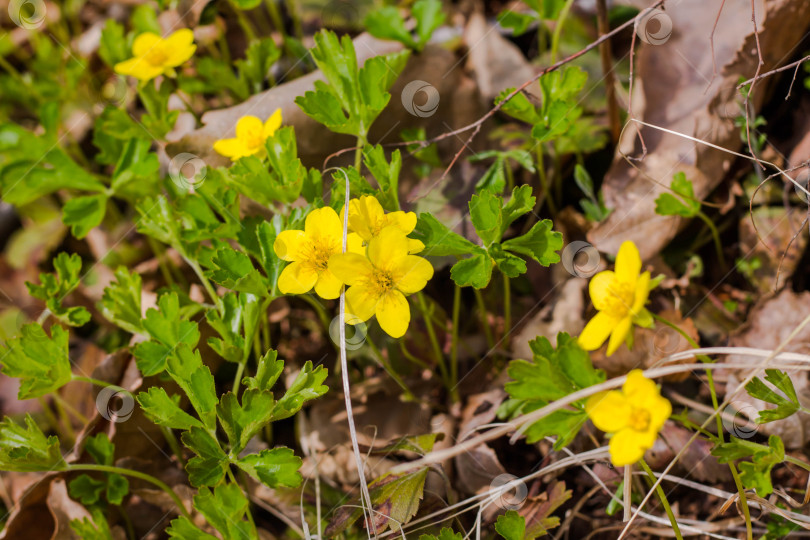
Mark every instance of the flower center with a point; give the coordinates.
(319, 252)
(639, 419)
(156, 56)
(620, 299)
(382, 281)
(254, 138)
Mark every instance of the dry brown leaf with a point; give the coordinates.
(776, 227)
(673, 92)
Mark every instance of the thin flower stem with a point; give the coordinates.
(96, 382)
(718, 246)
(171, 440)
(454, 338)
(507, 311)
(434, 342)
(555, 37)
(482, 312)
(390, 370)
(663, 497)
(135, 474)
(206, 284)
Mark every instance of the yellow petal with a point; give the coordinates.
(388, 247)
(411, 274)
(145, 42)
(324, 223)
(404, 221)
(365, 215)
(328, 285)
(231, 148)
(628, 262)
(289, 245)
(642, 292)
(660, 410)
(272, 124)
(350, 267)
(246, 126)
(139, 68)
(599, 288)
(393, 313)
(415, 246)
(643, 393)
(179, 46)
(609, 411)
(619, 334)
(297, 278)
(360, 303)
(627, 447)
(596, 331)
(354, 244)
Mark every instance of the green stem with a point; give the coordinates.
(718, 246)
(159, 255)
(541, 174)
(64, 420)
(319, 309)
(507, 311)
(482, 312)
(135, 474)
(96, 382)
(434, 342)
(390, 370)
(555, 38)
(206, 284)
(171, 440)
(663, 497)
(454, 337)
(244, 22)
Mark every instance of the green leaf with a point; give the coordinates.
(257, 237)
(225, 508)
(168, 331)
(242, 422)
(85, 489)
(100, 448)
(164, 410)
(39, 361)
(308, 385)
(92, 529)
(784, 406)
(684, 205)
(474, 271)
(209, 466)
(239, 317)
(519, 107)
(259, 59)
(521, 203)
(487, 216)
(55, 287)
(121, 302)
(183, 529)
(754, 474)
(439, 240)
(273, 467)
(233, 270)
(511, 525)
(247, 4)
(387, 23)
(386, 174)
(510, 265)
(117, 488)
(113, 46)
(84, 213)
(267, 372)
(540, 243)
(429, 16)
(26, 449)
(445, 534)
(190, 374)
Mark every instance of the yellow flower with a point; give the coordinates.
(154, 55)
(367, 218)
(379, 283)
(309, 251)
(251, 135)
(619, 296)
(634, 415)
